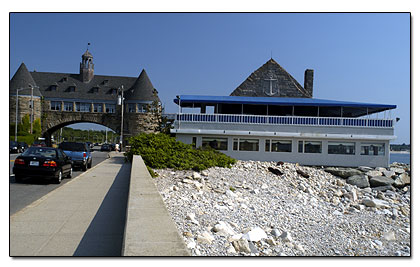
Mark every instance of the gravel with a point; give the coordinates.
(248, 210)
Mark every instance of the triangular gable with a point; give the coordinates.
(271, 80)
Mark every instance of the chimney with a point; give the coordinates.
(309, 81)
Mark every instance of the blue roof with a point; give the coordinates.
(283, 101)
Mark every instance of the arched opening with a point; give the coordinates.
(81, 131)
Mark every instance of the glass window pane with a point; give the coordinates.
(235, 144)
(68, 106)
(313, 147)
(267, 145)
(215, 143)
(300, 147)
(110, 108)
(375, 149)
(131, 107)
(281, 146)
(344, 148)
(248, 144)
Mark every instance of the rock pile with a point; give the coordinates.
(294, 211)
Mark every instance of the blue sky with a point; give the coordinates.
(356, 57)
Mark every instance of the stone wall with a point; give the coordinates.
(23, 108)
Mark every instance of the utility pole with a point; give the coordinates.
(32, 106)
(121, 102)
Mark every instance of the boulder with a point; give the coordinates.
(275, 232)
(375, 203)
(383, 188)
(389, 174)
(365, 168)
(343, 172)
(205, 237)
(223, 229)
(196, 176)
(380, 181)
(381, 169)
(256, 234)
(397, 170)
(275, 171)
(241, 245)
(402, 180)
(373, 173)
(360, 181)
(303, 173)
(286, 237)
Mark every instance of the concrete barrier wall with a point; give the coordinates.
(149, 229)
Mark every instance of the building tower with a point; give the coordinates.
(86, 67)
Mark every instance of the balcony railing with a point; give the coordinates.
(285, 120)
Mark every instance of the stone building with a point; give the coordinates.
(271, 80)
(62, 99)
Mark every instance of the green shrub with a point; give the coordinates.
(162, 151)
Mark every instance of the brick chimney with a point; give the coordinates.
(309, 81)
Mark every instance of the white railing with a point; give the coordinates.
(284, 120)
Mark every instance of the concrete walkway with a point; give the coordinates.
(85, 217)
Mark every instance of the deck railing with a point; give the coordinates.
(285, 120)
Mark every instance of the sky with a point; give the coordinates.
(362, 57)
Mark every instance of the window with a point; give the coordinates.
(53, 87)
(83, 107)
(56, 105)
(68, 106)
(194, 142)
(246, 144)
(97, 107)
(278, 145)
(375, 149)
(215, 143)
(341, 148)
(95, 90)
(310, 147)
(142, 108)
(110, 108)
(113, 91)
(131, 107)
(71, 89)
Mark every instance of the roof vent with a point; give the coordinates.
(64, 79)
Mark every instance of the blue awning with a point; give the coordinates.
(187, 100)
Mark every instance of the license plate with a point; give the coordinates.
(34, 163)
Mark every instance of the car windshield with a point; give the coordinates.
(72, 147)
(13, 143)
(40, 152)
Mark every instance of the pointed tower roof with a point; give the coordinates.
(271, 80)
(87, 54)
(142, 89)
(22, 79)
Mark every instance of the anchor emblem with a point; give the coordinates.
(272, 87)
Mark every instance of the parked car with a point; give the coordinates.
(14, 147)
(79, 153)
(39, 143)
(23, 146)
(106, 147)
(43, 162)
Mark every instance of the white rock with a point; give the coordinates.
(196, 176)
(191, 243)
(205, 237)
(223, 228)
(264, 186)
(187, 181)
(286, 237)
(389, 236)
(337, 213)
(230, 194)
(374, 173)
(190, 216)
(256, 234)
(275, 233)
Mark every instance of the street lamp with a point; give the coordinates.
(17, 104)
(121, 102)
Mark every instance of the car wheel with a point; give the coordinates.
(59, 177)
(18, 178)
(70, 173)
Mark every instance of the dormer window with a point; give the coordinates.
(95, 89)
(113, 91)
(64, 79)
(105, 82)
(53, 87)
(71, 88)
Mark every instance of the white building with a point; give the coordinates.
(304, 130)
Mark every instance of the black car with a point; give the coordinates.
(106, 147)
(14, 147)
(43, 162)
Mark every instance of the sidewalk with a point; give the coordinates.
(85, 217)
